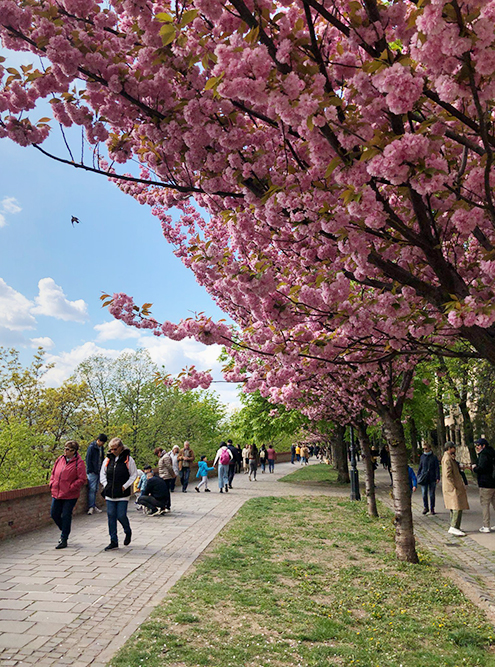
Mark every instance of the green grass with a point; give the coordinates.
(315, 474)
(310, 582)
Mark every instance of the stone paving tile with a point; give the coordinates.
(103, 585)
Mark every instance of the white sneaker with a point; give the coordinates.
(97, 510)
(91, 510)
(456, 531)
(484, 529)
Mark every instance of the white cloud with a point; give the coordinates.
(15, 309)
(52, 302)
(10, 205)
(44, 341)
(174, 355)
(66, 362)
(115, 330)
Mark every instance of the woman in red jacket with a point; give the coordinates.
(66, 481)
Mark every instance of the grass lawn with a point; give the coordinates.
(310, 582)
(314, 474)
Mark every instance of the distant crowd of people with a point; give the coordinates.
(120, 478)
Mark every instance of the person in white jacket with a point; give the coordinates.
(223, 458)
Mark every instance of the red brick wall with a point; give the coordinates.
(23, 510)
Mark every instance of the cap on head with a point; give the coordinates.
(481, 442)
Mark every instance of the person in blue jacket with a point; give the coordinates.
(413, 482)
(428, 477)
(203, 469)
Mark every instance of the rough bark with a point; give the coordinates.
(339, 455)
(441, 433)
(468, 429)
(369, 479)
(405, 545)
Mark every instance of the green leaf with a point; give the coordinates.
(163, 17)
(167, 33)
(334, 163)
(188, 16)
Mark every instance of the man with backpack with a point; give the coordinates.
(236, 456)
(223, 458)
(484, 469)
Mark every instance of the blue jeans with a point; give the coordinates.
(428, 490)
(61, 513)
(271, 465)
(223, 475)
(117, 511)
(93, 478)
(263, 465)
(184, 477)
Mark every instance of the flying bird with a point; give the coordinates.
(74, 220)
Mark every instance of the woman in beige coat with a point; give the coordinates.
(453, 489)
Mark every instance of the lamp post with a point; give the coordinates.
(355, 494)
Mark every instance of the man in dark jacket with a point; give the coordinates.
(233, 461)
(156, 494)
(486, 481)
(428, 477)
(94, 459)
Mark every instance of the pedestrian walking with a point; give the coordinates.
(156, 495)
(203, 469)
(94, 459)
(118, 473)
(453, 489)
(223, 457)
(165, 468)
(238, 459)
(185, 459)
(233, 462)
(428, 478)
(271, 456)
(66, 481)
(292, 454)
(484, 469)
(253, 461)
(245, 458)
(263, 458)
(298, 453)
(304, 455)
(174, 455)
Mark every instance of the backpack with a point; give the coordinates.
(225, 457)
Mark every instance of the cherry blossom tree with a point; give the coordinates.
(332, 161)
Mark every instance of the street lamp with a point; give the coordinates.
(355, 494)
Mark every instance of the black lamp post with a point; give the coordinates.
(355, 494)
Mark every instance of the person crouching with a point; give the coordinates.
(156, 495)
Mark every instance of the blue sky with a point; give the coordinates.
(52, 273)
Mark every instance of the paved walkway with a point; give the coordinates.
(78, 606)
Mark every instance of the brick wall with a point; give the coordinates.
(23, 510)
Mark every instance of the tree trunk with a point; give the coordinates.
(468, 430)
(414, 439)
(405, 547)
(339, 455)
(441, 434)
(369, 478)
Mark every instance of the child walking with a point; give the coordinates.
(203, 473)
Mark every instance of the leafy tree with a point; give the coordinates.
(261, 422)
